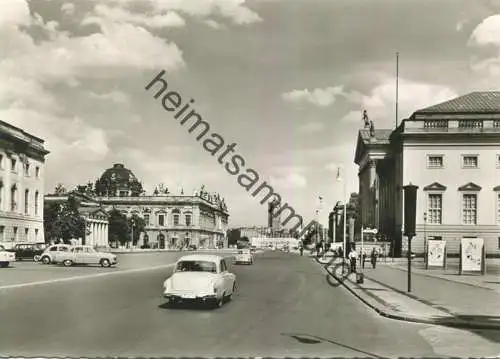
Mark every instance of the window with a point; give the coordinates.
(176, 219)
(36, 203)
(2, 233)
(123, 193)
(53, 249)
(26, 169)
(146, 219)
(188, 219)
(435, 208)
(37, 172)
(498, 244)
(13, 164)
(469, 208)
(498, 161)
(36, 234)
(435, 161)
(26, 201)
(26, 234)
(470, 161)
(13, 194)
(161, 220)
(223, 266)
(14, 233)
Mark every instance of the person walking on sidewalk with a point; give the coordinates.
(373, 258)
(353, 257)
(363, 259)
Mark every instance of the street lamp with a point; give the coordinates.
(425, 238)
(410, 206)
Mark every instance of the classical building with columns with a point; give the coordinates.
(96, 218)
(172, 220)
(451, 152)
(22, 168)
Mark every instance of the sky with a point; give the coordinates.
(285, 80)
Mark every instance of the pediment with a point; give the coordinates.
(469, 187)
(436, 186)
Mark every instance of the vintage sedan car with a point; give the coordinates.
(52, 253)
(6, 257)
(31, 251)
(244, 256)
(86, 255)
(202, 278)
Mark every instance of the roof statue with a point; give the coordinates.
(372, 129)
(366, 120)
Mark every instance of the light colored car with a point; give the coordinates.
(53, 253)
(244, 256)
(6, 257)
(203, 278)
(86, 255)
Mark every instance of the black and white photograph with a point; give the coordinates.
(250, 178)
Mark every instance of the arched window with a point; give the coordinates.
(175, 217)
(13, 198)
(188, 218)
(36, 203)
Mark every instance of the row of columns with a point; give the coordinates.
(98, 235)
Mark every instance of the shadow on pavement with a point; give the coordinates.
(313, 339)
(186, 306)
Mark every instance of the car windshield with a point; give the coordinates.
(196, 266)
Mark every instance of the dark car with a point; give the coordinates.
(31, 251)
(192, 247)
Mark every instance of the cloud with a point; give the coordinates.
(319, 97)
(290, 181)
(68, 9)
(114, 96)
(484, 44)
(103, 13)
(413, 95)
(312, 127)
(15, 14)
(235, 10)
(213, 24)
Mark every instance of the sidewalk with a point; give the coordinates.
(432, 300)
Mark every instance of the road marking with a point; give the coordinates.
(50, 281)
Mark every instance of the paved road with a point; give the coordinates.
(284, 306)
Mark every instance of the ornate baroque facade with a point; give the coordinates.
(450, 151)
(22, 166)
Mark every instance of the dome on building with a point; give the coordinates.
(118, 173)
(118, 181)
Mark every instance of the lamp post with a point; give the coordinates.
(410, 206)
(425, 238)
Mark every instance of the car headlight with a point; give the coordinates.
(166, 284)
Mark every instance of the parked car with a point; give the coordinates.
(192, 247)
(31, 251)
(244, 256)
(202, 278)
(52, 253)
(86, 255)
(6, 257)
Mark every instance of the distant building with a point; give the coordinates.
(451, 152)
(172, 221)
(274, 217)
(22, 170)
(96, 218)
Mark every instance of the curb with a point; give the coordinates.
(456, 323)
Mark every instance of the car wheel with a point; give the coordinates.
(219, 302)
(46, 260)
(36, 258)
(105, 263)
(68, 262)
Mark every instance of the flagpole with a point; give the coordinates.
(345, 215)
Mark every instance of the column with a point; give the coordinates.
(94, 233)
(105, 234)
(99, 234)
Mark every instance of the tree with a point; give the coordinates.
(119, 230)
(138, 224)
(63, 221)
(60, 189)
(135, 188)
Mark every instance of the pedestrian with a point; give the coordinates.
(373, 258)
(341, 252)
(363, 259)
(353, 257)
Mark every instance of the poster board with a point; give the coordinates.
(436, 253)
(472, 255)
